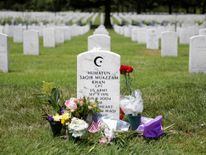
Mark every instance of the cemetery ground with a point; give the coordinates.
(167, 87)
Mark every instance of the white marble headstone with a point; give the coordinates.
(202, 31)
(134, 34)
(127, 31)
(152, 39)
(141, 35)
(186, 33)
(98, 77)
(59, 35)
(169, 43)
(4, 60)
(8, 30)
(49, 37)
(31, 42)
(18, 34)
(197, 56)
(101, 30)
(1, 29)
(67, 33)
(99, 41)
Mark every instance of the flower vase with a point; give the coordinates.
(56, 128)
(134, 121)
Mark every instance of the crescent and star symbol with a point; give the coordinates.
(98, 61)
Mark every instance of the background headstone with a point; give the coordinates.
(152, 39)
(49, 37)
(134, 34)
(67, 33)
(99, 41)
(141, 35)
(202, 32)
(4, 60)
(98, 77)
(59, 35)
(197, 56)
(31, 42)
(18, 34)
(101, 30)
(169, 44)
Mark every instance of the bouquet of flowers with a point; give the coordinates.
(73, 115)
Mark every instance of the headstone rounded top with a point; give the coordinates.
(2, 34)
(101, 26)
(101, 30)
(99, 35)
(98, 50)
(202, 31)
(198, 39)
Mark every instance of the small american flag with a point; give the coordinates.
(95, 127)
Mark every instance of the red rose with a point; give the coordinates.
(122, 69)
(126, 69)
(129, 69)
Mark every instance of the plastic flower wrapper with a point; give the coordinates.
(151, 128)
(77, 127)
(110, 126)
(132, 104)
(108, 133)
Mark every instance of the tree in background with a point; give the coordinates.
(88, 4)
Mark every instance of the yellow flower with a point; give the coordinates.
(89, 107)
(65, 117)
(94, 105)
(57, 117)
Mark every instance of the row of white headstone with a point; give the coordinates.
(30, 38)
(169, 46)
(140, 33)
(58, 18)
(151, 37)
(179, 19)
(98, 74)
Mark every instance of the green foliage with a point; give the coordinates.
(50, 95)
(138, 6)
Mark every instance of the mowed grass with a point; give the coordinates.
(167, 87)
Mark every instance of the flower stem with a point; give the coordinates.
(128, 83)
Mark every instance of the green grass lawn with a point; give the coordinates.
(167, 87)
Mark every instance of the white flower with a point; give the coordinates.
(77, 127)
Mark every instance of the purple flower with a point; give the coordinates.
(50, 118)
(61, 111)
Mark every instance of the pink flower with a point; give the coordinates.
(71, 104)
